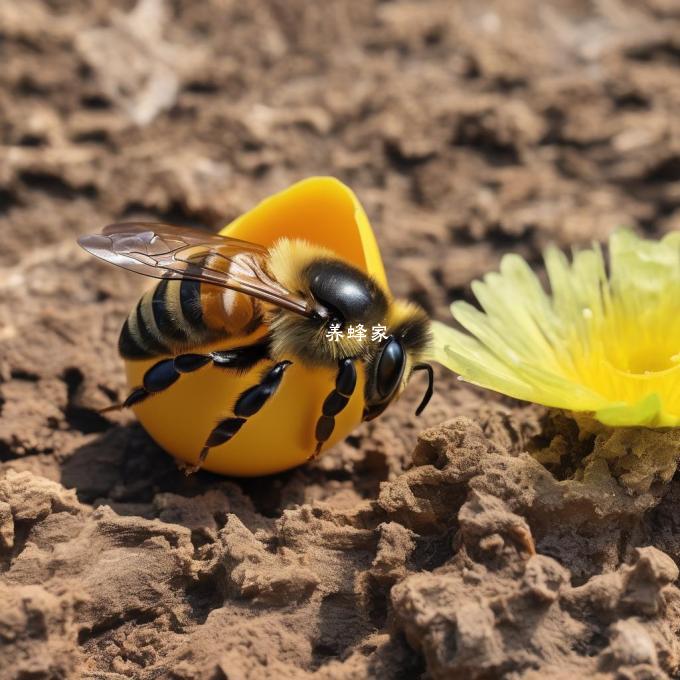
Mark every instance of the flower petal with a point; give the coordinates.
(597, 344)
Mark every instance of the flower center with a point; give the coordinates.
(649, 360)
(638, 350)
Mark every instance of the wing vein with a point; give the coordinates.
(164, 251)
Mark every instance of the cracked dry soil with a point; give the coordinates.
(468, 130)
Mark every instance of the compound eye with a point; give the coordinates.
(390, 368)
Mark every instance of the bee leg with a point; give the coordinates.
(158, 378)
(165, 373)
(137, 395)
(249, 402)
(335, 402)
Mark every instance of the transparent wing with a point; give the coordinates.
(164, 251)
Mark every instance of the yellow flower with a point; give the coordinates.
(605, 345)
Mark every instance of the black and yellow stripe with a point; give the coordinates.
(137, 340)
(180, 315)
(166, 322)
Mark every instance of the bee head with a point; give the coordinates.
(353, 318)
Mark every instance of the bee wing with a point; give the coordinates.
(164, 251)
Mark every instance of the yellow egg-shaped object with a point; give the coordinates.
(280, 436)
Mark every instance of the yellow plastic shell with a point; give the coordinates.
(322, 211)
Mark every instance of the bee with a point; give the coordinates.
(241, 359)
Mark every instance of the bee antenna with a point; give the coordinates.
(430, 386)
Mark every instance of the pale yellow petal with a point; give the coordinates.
(605, 345)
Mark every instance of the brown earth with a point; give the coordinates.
(468, 129)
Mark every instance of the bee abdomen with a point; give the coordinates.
(137, 340)
(190, 302)
(167, 320)
(168, 324)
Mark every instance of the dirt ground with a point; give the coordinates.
(468, 129)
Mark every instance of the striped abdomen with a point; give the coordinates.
(179, 315)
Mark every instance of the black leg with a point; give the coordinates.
(249, 402)
(337, 399)
(165, 373)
